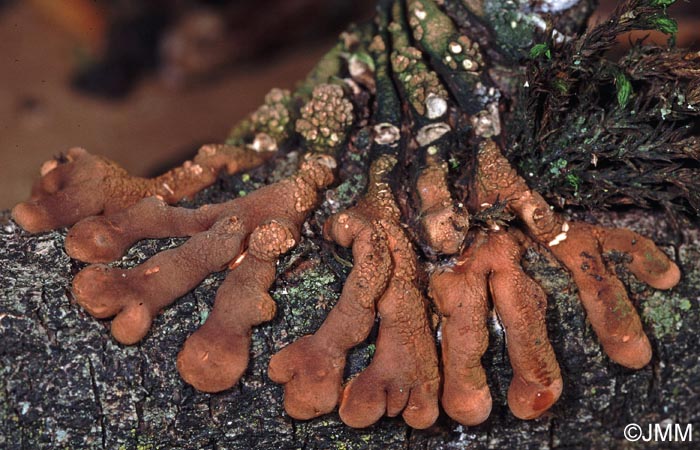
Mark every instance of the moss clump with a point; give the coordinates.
(611, 132)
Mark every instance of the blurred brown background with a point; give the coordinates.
(146, 82)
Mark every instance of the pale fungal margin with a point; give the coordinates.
(435, 105)
(487, 123)
(359, 67)
(263, 142)
(431, 133)
(386, 134)
(553, 6)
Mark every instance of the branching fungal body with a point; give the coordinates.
(410, 97)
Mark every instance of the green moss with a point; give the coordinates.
(307, 299)
(574, 181)
(538, 50)
(328, 67)
(556, 167)
(431, 26)
(624, 89)
(371, 349)
(664, 24)
(663, 3)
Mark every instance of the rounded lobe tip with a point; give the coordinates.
(468, 407)
(88, 291)
(422, 417)
(312, 380)
(277, 371)
(530, 400)
(87, 242)
(360, 407)
(633, 353)
(131, 324)
(668, 279)
(31, 217)
(303, 403)
(210, 366)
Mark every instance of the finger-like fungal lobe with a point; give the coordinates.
(497, 180)
(444, 225)
(245, 235)
(609, 309)
(403, 375)
(79, 185)
(490, 268)
(580, 248)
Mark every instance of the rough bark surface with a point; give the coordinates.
(65, 383)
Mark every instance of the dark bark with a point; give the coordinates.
(65, 383)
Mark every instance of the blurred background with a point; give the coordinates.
(146, 82)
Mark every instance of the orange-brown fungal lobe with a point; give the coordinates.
(609, 310)
(491, 265)
(579, 247)
(649, 264)
(79, 185)
(444, 225)
(497, 181)
(248, 233)
(216, 355)
(403, 375)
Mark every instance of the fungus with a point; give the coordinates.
(78, 184)
(418, 111)
(579, 247)
(325, 118)
(269, 219)
(491, 264)
(445, 227)
(403, 375)
(273, 117)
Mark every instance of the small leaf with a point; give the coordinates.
(662, 3)
(555, 167)
(538, 50)
(624, 89)
(664, 24)
(561, 86)
(574, 181)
